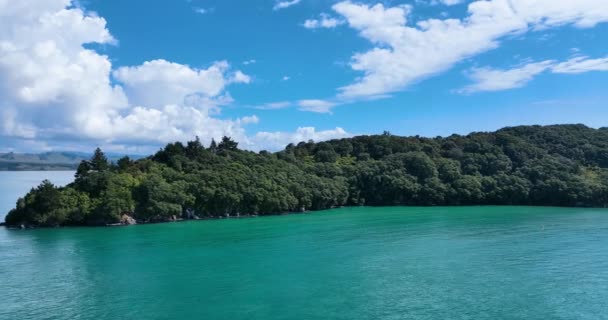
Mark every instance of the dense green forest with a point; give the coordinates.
(562, 165)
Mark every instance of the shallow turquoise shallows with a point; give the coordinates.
(352, 263)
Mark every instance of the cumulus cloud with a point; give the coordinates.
(240, 77)
(55, 89)
(324, 21)
(406, 53)
(285, 4)
(277, 140)
(157, 83)
(487, 79)
(173, 123)
(50, 84)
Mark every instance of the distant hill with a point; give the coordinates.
(48, 161)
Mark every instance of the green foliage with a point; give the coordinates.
(532, 165)
(227, 144)
(158, 199)
(48, 205)
(99, 162)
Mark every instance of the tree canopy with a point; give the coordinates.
(562, 165)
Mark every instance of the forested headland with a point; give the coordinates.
(561, 165)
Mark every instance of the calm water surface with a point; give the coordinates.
(15, 184)
(359, 263)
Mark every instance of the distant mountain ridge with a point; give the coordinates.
(48, 161)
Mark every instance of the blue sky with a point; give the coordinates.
(130, 76)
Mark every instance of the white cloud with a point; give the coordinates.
(250, 61)
(438, 2)
(487, 79)
(451, 2)
(240, 77)
(56, 92)
(274, 105)
(278, 140)
(49, 83)
(324, 21)
(159, 82)
(173, 123)
(581, 65)
(202, 10)
(309, 105)
(406, 54)
(316, 105)
(285, 4)
(286, 78)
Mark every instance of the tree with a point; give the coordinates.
(227, 144)
(42, 206)
(326, 156)
(468, 190)
(448, 170)
(124, 163)
(116, 200)
(195, 148)
(157, 199)
(213, 146)
(83, 169)
(420, 165)
(99, 162)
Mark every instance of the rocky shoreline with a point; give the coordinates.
(127, 220)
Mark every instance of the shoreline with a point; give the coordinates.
(249, 216)
(120, 224)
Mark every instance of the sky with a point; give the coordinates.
(131, 76)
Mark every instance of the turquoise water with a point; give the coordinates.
(353, 263)
(15, 184)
